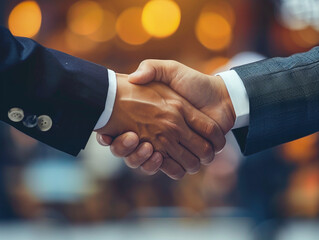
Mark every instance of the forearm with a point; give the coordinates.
(284, 100)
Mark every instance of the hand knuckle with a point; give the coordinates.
(209, 129)
(193, 120)
(163, 141)
(172, 128)
(145, 62)
(172, 63)
(175, 128)
(178, 105)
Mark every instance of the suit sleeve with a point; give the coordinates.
(284, 100)
(44, 82)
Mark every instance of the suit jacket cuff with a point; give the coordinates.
(238, 96)
(110, 100)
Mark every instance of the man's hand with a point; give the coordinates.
(160, 116)
(208, 93)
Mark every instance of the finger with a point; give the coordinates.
(153, 164)
(197, 145)
(125, 144)
(184, 157)
(204, 126)
(155, 70)
(172, 169)
(138, 157)
(104, 140)
(200, 147)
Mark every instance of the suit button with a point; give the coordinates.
(30, 121)
(44, 123)
(16, 114)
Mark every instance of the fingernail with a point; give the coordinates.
(143, 151)
(219, 152)
(101, 141)
(129, 141)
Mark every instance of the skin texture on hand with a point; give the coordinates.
(168, 122)
(207, 93)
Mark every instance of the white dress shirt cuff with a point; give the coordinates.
(110, 100)
(238, 96)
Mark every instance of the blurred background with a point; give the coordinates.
(45, 194)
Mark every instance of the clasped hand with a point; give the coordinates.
(173, 128)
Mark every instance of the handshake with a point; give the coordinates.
(165, 116)
(168, 117)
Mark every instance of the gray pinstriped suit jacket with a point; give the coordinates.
(284, 100)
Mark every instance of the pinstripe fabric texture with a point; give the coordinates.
(284, 100)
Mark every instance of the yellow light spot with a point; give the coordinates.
(305, 38)
(222, 8)
(107, 30)
(129, 27)
(301, 150)
(161, 18)
(85, 17)
(213, 31)
(78, 44)
(214, 64)
(25, 19)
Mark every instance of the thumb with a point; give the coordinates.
(145, 73)
(154, 70)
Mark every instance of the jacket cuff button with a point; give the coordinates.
(44, 123)
(16, 114)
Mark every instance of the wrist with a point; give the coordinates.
(116, 119)
(225, 101)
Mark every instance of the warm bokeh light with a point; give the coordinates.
(77, 44)
(302, 195)
(222, 8)
(129, 27)
(25, 19)
(161, 18)
(305, 38)
(301, 150)
(85, 17)
(213, 31)
(212, 65)
(107, 30)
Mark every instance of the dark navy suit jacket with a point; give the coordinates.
(42, 81)
(284, 100)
